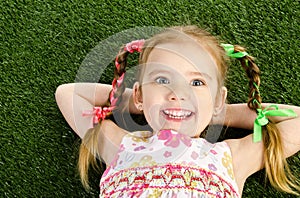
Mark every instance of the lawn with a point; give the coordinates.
(44, 43)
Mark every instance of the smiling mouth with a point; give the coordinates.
(177, 114)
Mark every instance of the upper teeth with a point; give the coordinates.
(177, 113)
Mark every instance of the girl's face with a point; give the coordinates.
(179, 88)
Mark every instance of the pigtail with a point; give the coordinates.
(276, 167)
(253, 74)
(88, 153)
(89, 148)
(118, 89)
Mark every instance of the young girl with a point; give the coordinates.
(180, 91)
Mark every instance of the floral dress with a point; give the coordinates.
(169, 164)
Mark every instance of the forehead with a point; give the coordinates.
(182, 56)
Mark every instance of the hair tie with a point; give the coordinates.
(262, 120)
(229, 49)
(134, 46)
(98, 113)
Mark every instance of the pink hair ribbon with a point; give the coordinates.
(117, 63)
(98, 113)
(115, 85)
(134, 46)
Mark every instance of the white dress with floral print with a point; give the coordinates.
(169, 164)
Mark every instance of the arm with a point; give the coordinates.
(110, 138)
(250, 155)
(240, 116)
(74, 98)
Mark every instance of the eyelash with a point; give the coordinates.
(157, 80)
(200, 81)
(167, 81)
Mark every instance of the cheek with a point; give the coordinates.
(152, 115)
(205, 107)
(204, 98)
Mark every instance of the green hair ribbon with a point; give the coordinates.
(262, 120)
(229, 49)
(271, 110)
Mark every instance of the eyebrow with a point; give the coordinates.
(193, 73)
(199, 74)
(158, 72)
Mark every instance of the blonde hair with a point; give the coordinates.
(88, 154)
(276, 166)
(274, 159)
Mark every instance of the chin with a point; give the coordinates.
(188, 132)
(191, 132)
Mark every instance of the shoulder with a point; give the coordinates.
(136, 139)
(110, 139)
(113, 138)
(247, 156)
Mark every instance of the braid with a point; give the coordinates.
(89, 149)
(277, 169)
(253, 74)
(119, 86)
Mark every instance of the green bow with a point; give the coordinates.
(262, 120)
(229, 49)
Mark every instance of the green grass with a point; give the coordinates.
(43, 43)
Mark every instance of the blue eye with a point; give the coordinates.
(197, 83)
(162, 80)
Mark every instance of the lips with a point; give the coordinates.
(177, 114)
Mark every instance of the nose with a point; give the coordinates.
(179, 93)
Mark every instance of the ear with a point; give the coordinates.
(137, 95)
(220, 100)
